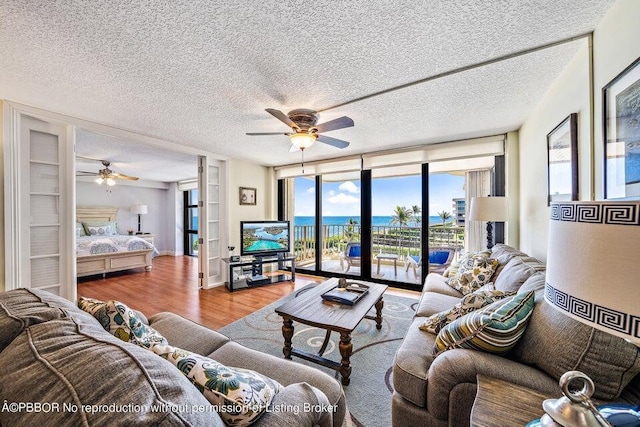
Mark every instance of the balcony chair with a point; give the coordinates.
(351, 256)
(439, 260)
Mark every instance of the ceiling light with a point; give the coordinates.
(303, 140)
(110, 182)
(99, 180)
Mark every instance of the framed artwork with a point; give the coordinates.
(621, 128)
(562, 161)
(247, 196)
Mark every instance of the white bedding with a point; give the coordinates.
(100, 245)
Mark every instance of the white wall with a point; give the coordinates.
(616, 47)
(613, 50)
(160, 219)
(243, 174)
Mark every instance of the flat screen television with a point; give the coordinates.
(264, 238)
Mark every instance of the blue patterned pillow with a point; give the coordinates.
(122, 322)
(494, 329)
(244, 394)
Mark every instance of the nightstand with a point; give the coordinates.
(502, 404)
(148, 237)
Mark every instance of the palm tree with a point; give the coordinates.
(445, 216)
(350, 230)
(415, 209)
(401, 216)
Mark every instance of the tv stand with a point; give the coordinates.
(252, 271)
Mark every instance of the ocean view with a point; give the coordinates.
(343, 220)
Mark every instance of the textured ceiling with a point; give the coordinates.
(133, 158)
(200, 73)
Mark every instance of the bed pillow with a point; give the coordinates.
(100, 228)
(467, 304)
(80, 230)
(494, 329)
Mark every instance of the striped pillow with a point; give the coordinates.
(494, 329)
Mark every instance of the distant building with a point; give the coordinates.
(458, 211)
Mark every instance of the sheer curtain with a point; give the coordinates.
(478, 184)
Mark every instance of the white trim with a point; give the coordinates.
(11, 198)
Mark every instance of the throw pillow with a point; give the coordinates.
(80, 230)
(494, 329)
(467, 304)
(122, 322)
(472, 278)
(244, 394)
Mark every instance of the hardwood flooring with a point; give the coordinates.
(172, 286)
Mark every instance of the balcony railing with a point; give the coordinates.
(398, 240)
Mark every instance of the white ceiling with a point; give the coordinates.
(133, 158)
(201, 73)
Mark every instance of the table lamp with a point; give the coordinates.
(593, 271)
(139, 210)
(490, 209)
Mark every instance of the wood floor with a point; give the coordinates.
(172, 286)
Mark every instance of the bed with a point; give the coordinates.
(101, 254)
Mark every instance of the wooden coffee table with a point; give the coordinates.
(310, 309)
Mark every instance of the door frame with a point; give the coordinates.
(10, 132)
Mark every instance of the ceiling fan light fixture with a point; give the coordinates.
(110, 182)
(99, 180)
(303, 140)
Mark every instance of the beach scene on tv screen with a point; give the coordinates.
(265, 237)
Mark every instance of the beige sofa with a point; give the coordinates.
(60, 367)
(439, 391)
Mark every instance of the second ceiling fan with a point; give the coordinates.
(306, 131)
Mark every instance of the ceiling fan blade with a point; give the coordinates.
(265, 133)
(282, 117)
(335, 124)
(85, 173)
(338, 143)
(121, 176)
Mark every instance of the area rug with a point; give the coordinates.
(369, 393)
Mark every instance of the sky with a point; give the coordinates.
(343, 198)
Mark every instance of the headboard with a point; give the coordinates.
(95, 213)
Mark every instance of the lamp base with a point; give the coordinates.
(489, 234)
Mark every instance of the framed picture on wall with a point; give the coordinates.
(621, 128)
(562, 161)
(247, 196)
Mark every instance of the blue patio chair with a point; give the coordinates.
(351, 256)
(439, 260)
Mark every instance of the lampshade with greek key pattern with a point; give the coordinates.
(593, 265)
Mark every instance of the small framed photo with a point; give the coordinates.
(562, 161)
(247, 196)
(621, 128)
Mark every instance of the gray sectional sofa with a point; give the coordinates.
(440, 391)
(60, 367)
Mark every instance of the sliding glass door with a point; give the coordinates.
(396, 221)
(341, 231)
(303, 222)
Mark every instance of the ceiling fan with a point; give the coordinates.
(305, 130)
(105, 175)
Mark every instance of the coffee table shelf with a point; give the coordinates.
(310, 309)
